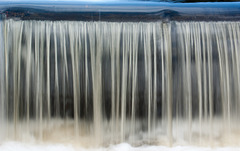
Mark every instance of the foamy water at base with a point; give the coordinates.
(62, 132)
(16, 146)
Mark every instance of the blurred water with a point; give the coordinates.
(101, 83)
(2, 85)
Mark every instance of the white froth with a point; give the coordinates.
(16, 146)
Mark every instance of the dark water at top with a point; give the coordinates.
(121, 11)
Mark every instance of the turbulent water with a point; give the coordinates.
(102, 83)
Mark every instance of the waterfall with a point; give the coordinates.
(102, 83)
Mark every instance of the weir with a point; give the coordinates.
(158, 82)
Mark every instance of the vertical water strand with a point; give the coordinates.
(148, 72)
(204, 71)
(28, 67)
(224, 70)
(154, 77)
(48, 69)
(134, 78)
(222, 76)
(189, 82)
(19, 49)
(182, 46)
(41, 78)
(182, 65)
(233, 72)
(235, 31)
(130, 75)
(210, 76)
(149, 64)
(204, 65)
(227, 72)
(146, 92)
(65, 52)
(64, 68)
(235, 69)
(36, 73)
(163, 75)
(65, 71)
(78, 52)
(179, 86)
(113, 73)
(238, 64)
(2, 84)
(204, 48)
(168, 48)
(237, 45)
(92, 42)
(232, 66)
(106, 72)
(65, 61)
(75, 95)
(86, 66)
(118, 54)
(118, 79)
(198, 59)
(98, 75)
(130, 66)
(96, 65)
(38, 89)
(124, 79)
(187, 77)
(16, 72)
(56, 86)
(6, 53)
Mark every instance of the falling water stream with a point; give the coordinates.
(101, 83)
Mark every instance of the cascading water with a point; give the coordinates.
(2, 93)
(101, 83)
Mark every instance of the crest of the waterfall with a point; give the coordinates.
(2, 89)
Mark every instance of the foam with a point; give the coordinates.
(17, 146)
